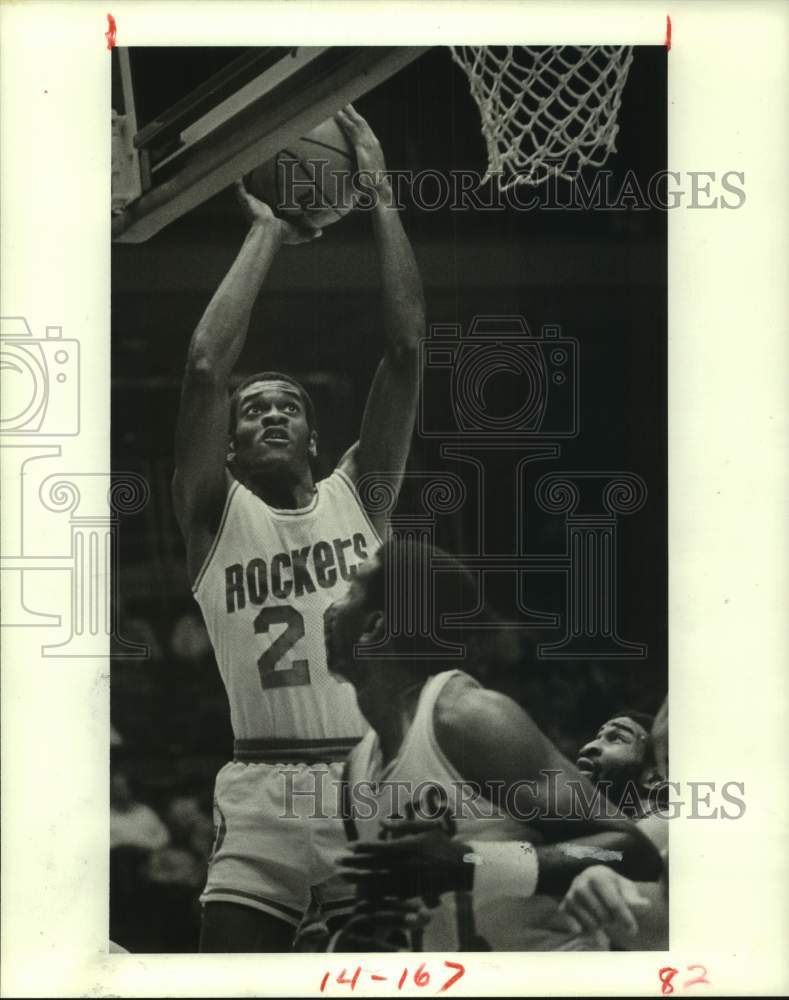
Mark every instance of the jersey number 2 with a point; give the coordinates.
(298, 673)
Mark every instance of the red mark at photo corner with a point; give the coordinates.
(109, 34)
(668, 32)
(420, 977)
(667, 973)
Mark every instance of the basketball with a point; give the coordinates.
(311, 176)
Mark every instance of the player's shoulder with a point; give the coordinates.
(348, 465)
(336, 488)
(340, 486)
(237, 495)
(464, 708)
(471, 723)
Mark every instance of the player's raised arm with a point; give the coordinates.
(390, 412)
(199, 484)
(493, 743)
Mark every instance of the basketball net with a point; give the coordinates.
(548, 111)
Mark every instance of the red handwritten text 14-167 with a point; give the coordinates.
(442, 978)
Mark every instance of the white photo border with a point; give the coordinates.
(728, 79)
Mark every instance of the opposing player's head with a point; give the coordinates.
(621, 753)
(272, 428)
(396, 608)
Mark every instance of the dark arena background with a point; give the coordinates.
(599, 273)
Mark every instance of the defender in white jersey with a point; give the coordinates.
(498, 775)
(268, 550)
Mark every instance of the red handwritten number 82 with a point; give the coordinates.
(667, 973)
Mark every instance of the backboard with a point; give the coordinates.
(167, 159)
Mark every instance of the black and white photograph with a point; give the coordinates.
(400, 587)
(392, 496)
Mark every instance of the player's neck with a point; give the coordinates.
(285, 495)
(390, 706)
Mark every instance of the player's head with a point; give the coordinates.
(385, 598)
(622, 752)
(272, 427)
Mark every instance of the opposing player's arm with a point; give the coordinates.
(390, 412)
(492, 742)
(200, 481)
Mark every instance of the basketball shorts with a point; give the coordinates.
(278, 838)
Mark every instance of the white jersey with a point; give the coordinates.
(419, 775)
(422, 775)
(263, 590)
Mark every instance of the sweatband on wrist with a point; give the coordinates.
(503, 868)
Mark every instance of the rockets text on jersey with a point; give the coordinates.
(264, 590)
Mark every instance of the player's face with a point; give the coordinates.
(616, 754)
(271, 427)
(347, 619)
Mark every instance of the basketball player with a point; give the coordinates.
(621, 760)
(267, 550)
(634, 915)
(438, 731)
(628, 756)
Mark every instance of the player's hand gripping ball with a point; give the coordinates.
(258, 212)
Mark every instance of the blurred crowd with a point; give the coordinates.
(158, 861)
